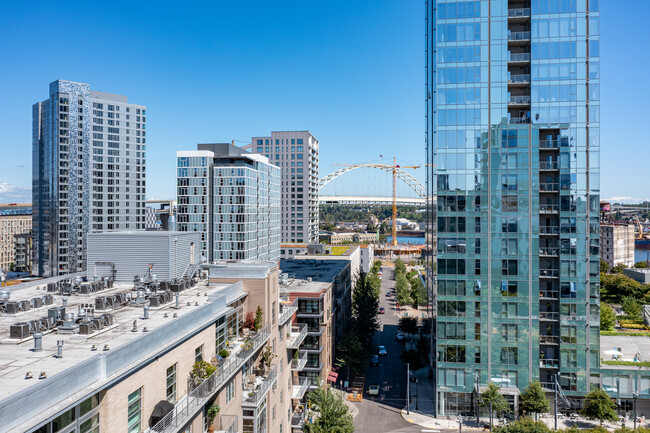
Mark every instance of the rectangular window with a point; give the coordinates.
(230, 391)
(171, 384)
(198, 354)
(134, 403)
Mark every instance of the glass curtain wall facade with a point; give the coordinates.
(513, 146)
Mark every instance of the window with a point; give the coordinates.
(230, 391)
(134, 411)
(509, 355)
(509, 332)
(198, 354)
(171, 384)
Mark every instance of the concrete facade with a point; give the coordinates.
(296, 153)
(617, 244)
(367, 257)
(13, 222)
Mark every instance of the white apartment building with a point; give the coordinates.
(296, 153)
(617, 244)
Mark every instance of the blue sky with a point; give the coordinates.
(351, 72)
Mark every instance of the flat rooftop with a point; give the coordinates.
(322, 273)
(631, 348)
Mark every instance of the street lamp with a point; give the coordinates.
(634, 397)
(460, 423)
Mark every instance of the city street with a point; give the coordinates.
(379, 414)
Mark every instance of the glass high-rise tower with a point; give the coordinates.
(513, 146)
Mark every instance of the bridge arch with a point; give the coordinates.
(405, 177)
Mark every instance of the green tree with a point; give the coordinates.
(604, 267)
(365, 308)
(615, 287)
(598, 406)
(402, 290)
(257, 323)
(376, 266)
(618, 268)
(350, 353)
(383, 228)
(413, 358)
(375, 284)
(408, 325)
(418, 292)
(632, 308)
(400, 267)
(607, 318)
(333, 414)
(523, 425)
(494, 400)
(641, 265)
(533, 399)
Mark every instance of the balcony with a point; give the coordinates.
(313, 367)
(519, 79)
(519, 121)
(549, 187)
(227, 424)
(549, 339)
(549, 165)
(311, 314)
(549, 273)
(518, 57)
(298, 419)
(257, 386)
(286, 312)
(549, 363)
(549, 316)
(549, 144)
(297, 335)
(549, 230)
(549, 251)
(300, 387)
(195, 400)
(549, 208)
(519, 37)
(298, 364)
(520, 100)
(519, 13)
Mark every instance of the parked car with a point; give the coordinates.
(374, 360)
(374, 389)
(389, 294)
(382, 310)
(400, 335)
(381, 350)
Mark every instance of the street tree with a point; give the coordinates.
(533, 399)
(408, 325)
(607, 318)
(333, 414)
(402, 290)
(365, 308)
(494, 400)
(376, 266)
(524, 425)
(598, 406)
(418, 292)
(641, 265)
(632, 308)
(400, 267)
(604, 266)
(350, 353)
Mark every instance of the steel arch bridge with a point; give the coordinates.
(405, 177)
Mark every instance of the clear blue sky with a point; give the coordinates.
(351, 72)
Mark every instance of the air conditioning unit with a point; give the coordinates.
(57, 314)
(87, 328)
(48, 299)
(37, 302)
(12, 308)
(86, 289)
(19, 330)
(51, 287)
(25, 305)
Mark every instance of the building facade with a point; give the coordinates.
(23, 252)
(232, 197)
(617, 244)
(89, 153)
(296, 153)
(13, 222)
(512, 125)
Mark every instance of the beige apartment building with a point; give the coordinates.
(15, 219)
(617, 244)
(105, 357)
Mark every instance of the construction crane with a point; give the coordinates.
(393, 168)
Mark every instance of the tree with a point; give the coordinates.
(374, 283)
(615, 287)
(494, 400)
(413, 358)
(641, 265)
(383, 228)
(365, 308)
(408, 325)
(598, 406)
(607, 318)
(400, 267)
(523, 425)
(350, 353)
(632, 308)
(533, 399)
(402, 290)
(376, 266)
(418, 292)
(618, 268)
(604, 267)
(333, 415)
(257, 323)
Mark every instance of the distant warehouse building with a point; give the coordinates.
(617, 244)
(126, 254)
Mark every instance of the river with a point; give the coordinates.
(407, 240)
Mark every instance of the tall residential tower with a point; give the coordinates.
(233, 198)
(296, 153)
(88, 172)
(513, 144)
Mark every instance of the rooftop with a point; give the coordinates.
(631, 349)
(310, 276)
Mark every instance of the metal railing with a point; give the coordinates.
(299, 388)
(549, 363)
(297, 364)
(255, 396)
(552, 273)
(297, 335)
(549, 165)
(194, 401)
(549, 294)
(287, 311)
(519, 13)
(519, 120)
(549, 315)
(549, 186)
(549, 230)
(298, 419)
(519, 78)
(228, 424)
(548, 207)
(549, 144)
(518, 57)
(519, 99)
(519, 36)
(549, 251)
(317, 314)
(549, 339)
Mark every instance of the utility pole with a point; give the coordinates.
(555, 398)
(634, 397)
(408, 390)
(478, 407)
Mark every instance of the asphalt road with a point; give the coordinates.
(382, 413)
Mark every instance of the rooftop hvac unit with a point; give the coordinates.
(100, 303)
(47, 323)
(86, 289)
(35, 326)
(66, 289)
(48, 300)
(4, 296)
(37, 302)
(87, 328)
(25, 305)
(12, 308)
(97, 323)
(164, 285)
(96, 287)
(19, 330)
(57, 314)
(51, 287)
(69, 324)
(107, 319)
(109, 283)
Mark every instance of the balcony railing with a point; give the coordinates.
(519, 78)
(519, 100)
(194, 401)
(228, 424)
(549, 363)
(519, 36)
(549, 273)
(549, 165)
(519, 13)
(297, 335)
(297, 364)
(549, 230)
(518, 57)
(300, 386)
(519, 120)
(254, 395)
(549, 187)
(317, 314)
(298, 419)
(548, 207)
(286, 312)
(549, 251)
(549, 339)
(549, 315)
(549, 144)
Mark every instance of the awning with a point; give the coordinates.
(332, 376)
(161, 409)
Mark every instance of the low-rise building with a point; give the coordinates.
(23, 252)
(367, 257)
(15, 219)
(351, 238)
(617, 244)
(642, 275)
(103, 357)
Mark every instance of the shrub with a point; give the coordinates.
(224, 353)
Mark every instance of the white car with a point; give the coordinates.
(373, 390)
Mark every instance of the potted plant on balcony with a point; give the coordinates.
(267, 358)
(211, 414)
(200, 372)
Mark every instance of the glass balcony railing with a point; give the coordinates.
(549, 251)
(286, 312)
(549, 230)
(549, 339)
(549, 165)
(518, 57)
(549, 186)
(549, 315)
(297, 335)
(519, 120)
(549, 273)
(519, 99)
(549, 363)
(548, 207)
(519, 36)
(519, 78)
(548, 144)
(549, 294)
(297, 364)
(519, 13)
